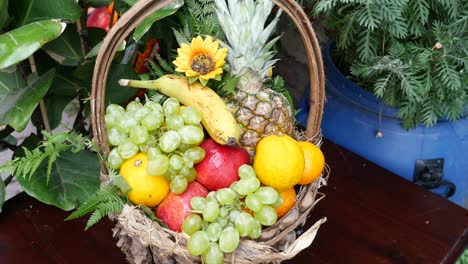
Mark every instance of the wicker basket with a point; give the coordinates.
(143, 240)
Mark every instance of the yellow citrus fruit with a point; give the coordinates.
(145, 189)
(289, 198)
(279, 161)
(314, 162)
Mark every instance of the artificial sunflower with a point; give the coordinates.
(202, 59)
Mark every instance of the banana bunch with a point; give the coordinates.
(216, 117)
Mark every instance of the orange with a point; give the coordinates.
(289, 198)
(314, 162)
(279, 161)
(145, 189)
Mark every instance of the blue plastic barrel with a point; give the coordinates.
(353, 117)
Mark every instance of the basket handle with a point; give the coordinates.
(143, 8)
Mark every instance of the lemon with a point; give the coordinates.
(279, 161)
(145, 189)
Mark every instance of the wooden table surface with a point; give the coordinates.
(373, 217)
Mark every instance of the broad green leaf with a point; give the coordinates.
(18, 101)
(168, 10)
(28, 11)
(20, 43)
(4, 16)
(95, 50)
(62, 91)
(2, 194)
(115, 93)
(74, 178)
(95, 35)
(97, 3)
(66, 48)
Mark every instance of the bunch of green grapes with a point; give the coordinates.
(169, 134)
(220, 220)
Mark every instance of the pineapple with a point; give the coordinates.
(260, 111)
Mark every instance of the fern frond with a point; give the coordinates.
(102, 211)
(448, 75)
(369, 16)
(165, 65)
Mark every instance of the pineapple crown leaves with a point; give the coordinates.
(49, 149)
(243, 23)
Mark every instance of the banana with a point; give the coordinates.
(216, 117)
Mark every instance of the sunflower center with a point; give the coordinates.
(203, 64)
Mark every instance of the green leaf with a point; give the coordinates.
(74, 178)
(2, 193)
(95, 50)
(168, 10)
(4, 17)
(20, 43)
(97, 3)
(115, 93)
(28, 11)
(62, 91)
(17, 101)
(66, 49)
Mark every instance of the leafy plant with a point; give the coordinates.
(46, 65)
(411, 54)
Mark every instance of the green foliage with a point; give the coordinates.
(49, 149)
(463, 258)
(277, 84)
(199, 19)
(107, 200)
(411, 54)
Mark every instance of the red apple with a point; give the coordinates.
(99, 18)
(219, 167)
(175, 207)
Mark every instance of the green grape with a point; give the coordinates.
(243, 224)
(194, 154)
(191, 115)
(179, 185)
(222, 221)
(115, 136)
(185, 171)
(152, 152)
(192, 174)
(134, 105)
(139, 135)
(142, 112)
(169, 141)
(176, 162)
(188, 162)
(266, 215)
(127, 149)
(114, 109)
(155, 106)
(198, 243)
(246, 171)
(233, 214)
(225, 196)
(223, 212)
(198, 203)
(174, 122)
(256, 229)
(171, 106)
(158, 165)
(253, 202)
(114, 160)
(192, 224)
(152, 142)
(229, 239)
(211, 211)
(214, 231)
(190, 134)
(213, 255)
(112, 120)
(246, 186)
(126, 122)
(267, 195)
(153, 121)
(278, 201)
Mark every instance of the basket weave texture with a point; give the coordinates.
(144, 240)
